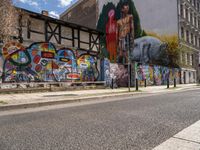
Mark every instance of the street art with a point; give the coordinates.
(121, 24)
(120, 74)
(87, 65)
(106, 68)
(111, 39)
(148, 49)
(157, 75)
(43, 62)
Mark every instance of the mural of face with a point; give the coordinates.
(88, 68)
(125, 9)
(111, 14)
(66, 61)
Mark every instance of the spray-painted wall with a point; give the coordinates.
(153, 74)
(156, 75)
(43, 62)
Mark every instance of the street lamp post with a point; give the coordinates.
(129, 70)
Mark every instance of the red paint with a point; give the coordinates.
(54, 65)
(73, 76)
(47, 55)
(38, 68)
(36, 59)
(111, 37)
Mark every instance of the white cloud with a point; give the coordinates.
(29, 2)
(64, 3)
(54, 14)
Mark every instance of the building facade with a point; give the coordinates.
(172, 18)
(189, 36)
(47, 49)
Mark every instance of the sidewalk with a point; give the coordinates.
(24, 100)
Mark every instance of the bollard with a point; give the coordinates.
(136, 86)
(168, 83)
(174, 82)
(112, 84)
(145, 83)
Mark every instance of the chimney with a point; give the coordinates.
(45, 12)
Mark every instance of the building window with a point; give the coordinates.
(195, 21)
(186, 14)
(192, 57)
(191, 18)
(192, 38)
(187, 36)
(182, 33)
(194, 3)
(191, 60)
(181, 9)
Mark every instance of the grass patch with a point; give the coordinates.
(4, 103)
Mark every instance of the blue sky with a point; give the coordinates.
(55, 7)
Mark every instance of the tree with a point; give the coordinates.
(8, 20)
(173, 49)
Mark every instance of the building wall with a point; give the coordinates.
(36, 59)
(159, 16)
(84, 13)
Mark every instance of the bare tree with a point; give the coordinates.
(8, 20)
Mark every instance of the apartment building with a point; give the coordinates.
(189, 34)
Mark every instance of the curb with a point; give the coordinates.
(63, 101)
(75, 100)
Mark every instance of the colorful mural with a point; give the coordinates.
(106, 68)
(119, 22)
(157, 75)
(120, 74)
(153, 74)
(42, 62)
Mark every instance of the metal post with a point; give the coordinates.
(174, 82)
(136, 85)
(129, 82)
(168, 83)
(112, 84)
(145, 83)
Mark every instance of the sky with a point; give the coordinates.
(55, 7)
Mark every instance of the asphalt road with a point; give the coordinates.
(136, 123)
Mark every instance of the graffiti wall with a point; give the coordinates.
(120, 21)
(43, 62)
(106, 71)
(153, 74)
(157, 75)
(119, 73)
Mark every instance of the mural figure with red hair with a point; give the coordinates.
(111, 39)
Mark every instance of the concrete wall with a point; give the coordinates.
(84, 13)
(159, 16)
